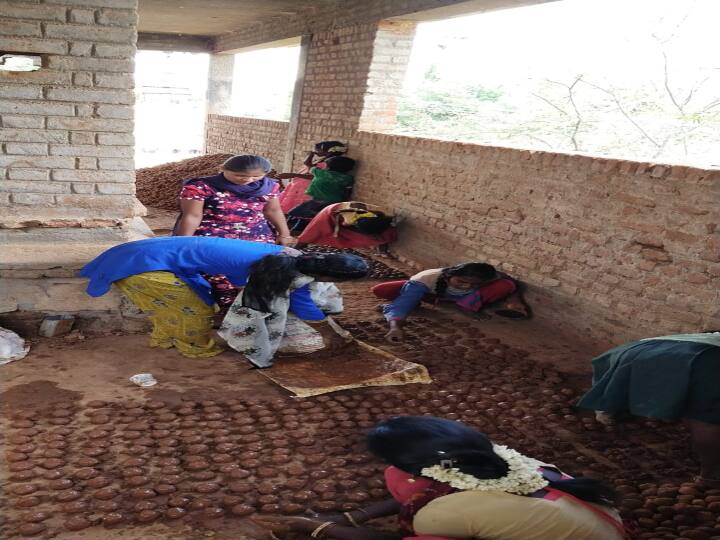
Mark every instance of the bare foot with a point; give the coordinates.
(605, 418)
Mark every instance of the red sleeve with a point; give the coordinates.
(195, 191)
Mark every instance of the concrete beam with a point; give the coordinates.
(465, 8)
(148, 41)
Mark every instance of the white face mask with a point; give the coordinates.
(457, 292)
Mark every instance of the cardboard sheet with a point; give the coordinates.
(356, 366)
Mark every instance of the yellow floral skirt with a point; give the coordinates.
(180, 318)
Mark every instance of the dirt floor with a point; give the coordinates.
(89, 455)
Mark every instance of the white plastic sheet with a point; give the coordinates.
(12, 347)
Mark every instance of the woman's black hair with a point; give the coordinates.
(247, 163)
(271, 276)
(374, 225)
(483, 271)
(325, 146)
(334, 265)
(340, 164)
(412, 443)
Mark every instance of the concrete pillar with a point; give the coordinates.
(67, 175)
(390, 57)
(220, 81)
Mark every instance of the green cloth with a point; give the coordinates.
(658, 378)
(330, 186)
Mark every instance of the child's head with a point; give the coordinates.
(469, 276)
(330, 148)
(340, 164)
(245, 169)
(374, 224)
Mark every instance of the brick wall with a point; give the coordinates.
(336, 77)
(235, 135)
(615, 249)
(66, 130)
(391, 54)
(618, 249)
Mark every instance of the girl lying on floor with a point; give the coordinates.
(449, 481)
(471, 286)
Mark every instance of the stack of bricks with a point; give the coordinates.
(66, 130)
(617, 249)
(234, 135)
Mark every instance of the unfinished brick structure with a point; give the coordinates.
(67, 161)
(613, 248)
(230, 134)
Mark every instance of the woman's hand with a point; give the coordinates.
(396, 334)
(332, 340)
(288, 241)
(274, 214)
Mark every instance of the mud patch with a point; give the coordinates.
(35, 394)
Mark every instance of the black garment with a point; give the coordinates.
(299, 217)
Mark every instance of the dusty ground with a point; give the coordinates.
(90, 455)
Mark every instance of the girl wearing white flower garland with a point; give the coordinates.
(448, 481)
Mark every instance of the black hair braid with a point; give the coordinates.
(587, 489)
(479, 463)
(334, 265)
(269, 278)
(442, 283)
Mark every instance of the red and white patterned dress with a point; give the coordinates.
(226, 215)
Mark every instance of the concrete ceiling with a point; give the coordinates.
(215, 17)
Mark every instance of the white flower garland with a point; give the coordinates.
(522, 478)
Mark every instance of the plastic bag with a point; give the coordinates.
(12, 346)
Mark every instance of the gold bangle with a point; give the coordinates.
(351, 519)
(321, 528)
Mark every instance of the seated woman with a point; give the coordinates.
(669, 377)
(471, 286)
(450, 481)
(350, 224)
(165, 278)
(294, 193)
(328, 186)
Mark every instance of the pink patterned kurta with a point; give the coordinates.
(225, 215)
